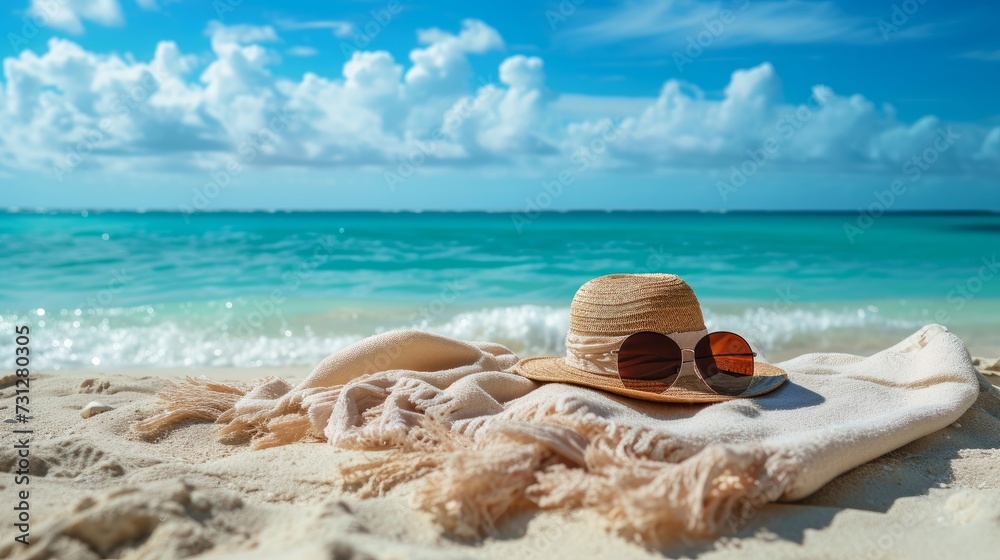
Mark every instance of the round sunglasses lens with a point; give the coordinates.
(725, 361)
(649, 362)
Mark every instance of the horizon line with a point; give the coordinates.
(66, 211)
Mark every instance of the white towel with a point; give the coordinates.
(485, 443)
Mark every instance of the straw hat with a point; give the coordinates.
(606, 310)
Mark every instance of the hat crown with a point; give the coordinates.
(623, 304)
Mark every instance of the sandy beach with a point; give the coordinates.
(507, 281)
(98, 490)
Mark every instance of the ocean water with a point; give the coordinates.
(269, 289)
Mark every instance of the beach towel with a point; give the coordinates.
(483, 443)
(987, 366)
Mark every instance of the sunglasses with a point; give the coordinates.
(651, 362)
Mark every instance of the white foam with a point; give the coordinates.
(768, 330)
(167, 344)
(531, 330)
(528, 330)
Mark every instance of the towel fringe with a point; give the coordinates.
(192, 399)
(471, 484)
(650, 486)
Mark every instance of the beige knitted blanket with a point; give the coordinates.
(485, 443)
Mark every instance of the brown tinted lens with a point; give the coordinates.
(649, 361)
(725, 361)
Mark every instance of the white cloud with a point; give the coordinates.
(507, 120)
(982, 55)
(580, 107)
(69, 15)
(342, 29)
(302, 51)
(177, 111)
(240, 34)
(990, 150)
(670, 23)
(442, 67)
(684, 128)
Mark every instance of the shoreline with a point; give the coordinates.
(297, 372)
(291, 337)
(222, 373)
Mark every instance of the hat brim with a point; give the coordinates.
(689, 389)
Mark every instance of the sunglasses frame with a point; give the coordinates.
(690, 356)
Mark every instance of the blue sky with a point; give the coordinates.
(733, 104)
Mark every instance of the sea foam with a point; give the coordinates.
(528, 330)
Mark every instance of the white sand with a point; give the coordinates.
(99, 491)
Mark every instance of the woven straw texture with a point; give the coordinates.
(622, 304)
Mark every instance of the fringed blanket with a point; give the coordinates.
(485, 443)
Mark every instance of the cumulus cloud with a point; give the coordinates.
(668, 23)
(507, 120)
(68, 108)
(239, 34)
(69, 15)
(685, 128)
(442, 68)
(342, 29)
(302, 51)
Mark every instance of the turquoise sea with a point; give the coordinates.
(114, 289)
